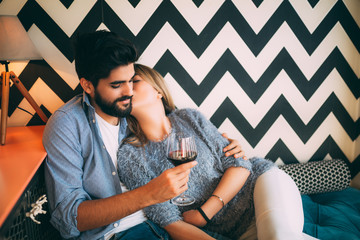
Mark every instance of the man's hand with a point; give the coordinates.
(194, 217)
(170, 183)
(234, 148)
(101, 212)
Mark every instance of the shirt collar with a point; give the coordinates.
(86, 101)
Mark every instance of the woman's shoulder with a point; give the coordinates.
(126, 149)
(187, 113)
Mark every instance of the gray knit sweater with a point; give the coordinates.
(138, 165)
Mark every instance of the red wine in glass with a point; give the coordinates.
(181, 149)
(177, 159)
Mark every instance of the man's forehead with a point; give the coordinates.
(121, 73)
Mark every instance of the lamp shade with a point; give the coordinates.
(15, 43)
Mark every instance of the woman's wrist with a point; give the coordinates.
(220, 199)
(212, 206)
(203, 214)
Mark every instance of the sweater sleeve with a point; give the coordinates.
(212, 137)
(135, 171)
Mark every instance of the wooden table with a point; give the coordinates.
(20, 158)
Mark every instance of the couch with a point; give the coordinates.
(331, 206)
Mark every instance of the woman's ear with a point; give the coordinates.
(87, 86)
(159, 95)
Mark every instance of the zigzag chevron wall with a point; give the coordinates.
(282, 76)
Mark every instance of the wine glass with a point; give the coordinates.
(181, 148)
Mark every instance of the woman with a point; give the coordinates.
(222, 186)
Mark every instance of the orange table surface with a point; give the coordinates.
(20, 158)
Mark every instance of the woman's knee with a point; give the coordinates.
(278, 205)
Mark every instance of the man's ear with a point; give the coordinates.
(87, 86)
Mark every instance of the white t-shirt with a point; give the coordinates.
(110, 134)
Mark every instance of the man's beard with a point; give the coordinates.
(111, 108)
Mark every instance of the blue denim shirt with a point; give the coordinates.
(78, 166)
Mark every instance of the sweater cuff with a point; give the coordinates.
(237, 162)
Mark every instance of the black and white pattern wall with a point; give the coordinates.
(282, 76)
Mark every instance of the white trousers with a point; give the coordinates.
(278, 209)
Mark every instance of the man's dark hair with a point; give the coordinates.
(98, 53)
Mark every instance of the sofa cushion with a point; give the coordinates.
(333, 215)
(319, 176)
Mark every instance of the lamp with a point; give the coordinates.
(15, 44)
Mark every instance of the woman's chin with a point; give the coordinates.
(133, 111)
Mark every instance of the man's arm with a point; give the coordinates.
(96, 213)
(66, 194)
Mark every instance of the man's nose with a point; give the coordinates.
(128, 89)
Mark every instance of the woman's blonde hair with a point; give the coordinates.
(151, 76)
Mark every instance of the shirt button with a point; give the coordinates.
(116, 224)
(93, 120)
(113, 173)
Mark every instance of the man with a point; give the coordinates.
(86, 197)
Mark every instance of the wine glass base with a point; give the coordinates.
(183, 200)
